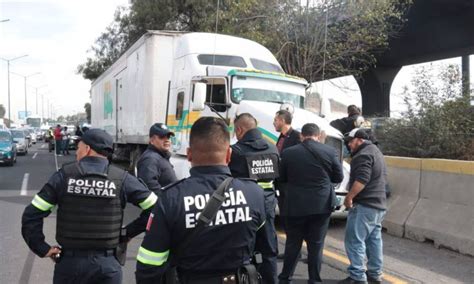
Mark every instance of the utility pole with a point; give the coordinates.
(8, 72)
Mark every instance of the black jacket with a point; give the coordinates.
(292, 137)
(252, 142)
(32, 221)
(345, 124)
(368, 168)
(221, 247)
(307, 181)
(155, 169)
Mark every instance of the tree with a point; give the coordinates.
(2, 111)
(438, 122)
(303, 41)
(87, 108)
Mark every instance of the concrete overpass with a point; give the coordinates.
(436, 29)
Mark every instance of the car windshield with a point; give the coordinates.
(5, 137)
(18, 134)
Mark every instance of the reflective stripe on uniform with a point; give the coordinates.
(152, 258)
(266, 185)
(261, 225)
(41, 204)
(149, 202)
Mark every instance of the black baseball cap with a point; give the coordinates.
(161, 130)
(99, 140)
(356, 133)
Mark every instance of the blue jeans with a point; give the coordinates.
(364, 238)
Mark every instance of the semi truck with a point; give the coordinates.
(177, 77)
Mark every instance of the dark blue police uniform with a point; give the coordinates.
(221, 248)
(91, 196)
(253, 153)
(155, 169)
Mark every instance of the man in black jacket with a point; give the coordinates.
(353, 120)
(308, 170)
(154, 166)
(366, 201)
(253, 157)
(288, 136)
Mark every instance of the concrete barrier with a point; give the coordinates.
(445, 210)
(404, 179)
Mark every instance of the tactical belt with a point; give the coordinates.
(105, 252)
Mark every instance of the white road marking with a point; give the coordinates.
(24, 184)
(43, 146)
(56, 159)
(34, 156)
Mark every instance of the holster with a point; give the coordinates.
(247, 274)
(121, 249)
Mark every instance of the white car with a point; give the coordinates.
(21, 142)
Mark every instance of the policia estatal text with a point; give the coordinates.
(253, 157)
(91, 196)
(220, 249)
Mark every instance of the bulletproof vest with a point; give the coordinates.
(262, 166)
(90, 210)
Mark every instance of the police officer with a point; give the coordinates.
(154, 167)
(253, 157)
(219, 249)
(91, 196)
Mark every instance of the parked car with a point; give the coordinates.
(21, 142)
(7, 148)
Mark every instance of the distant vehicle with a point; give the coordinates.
(21, 142)
(7, 148)
(32, 133)
(34, 121)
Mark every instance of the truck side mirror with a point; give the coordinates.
(199, 96)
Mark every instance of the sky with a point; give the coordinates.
(57, 34)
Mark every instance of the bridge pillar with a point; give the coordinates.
(375, 87)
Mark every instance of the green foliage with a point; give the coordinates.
(87, 108)
(297, 35)
(2, 111)
(439, 121)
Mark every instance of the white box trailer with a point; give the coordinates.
(177, 77)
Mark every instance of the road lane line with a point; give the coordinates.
(43, 146)
(34, 156)
(24, 184)
(343, 259)
(56, 160)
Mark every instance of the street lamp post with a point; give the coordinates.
(42, 86)
(26, 97)
(8, 72)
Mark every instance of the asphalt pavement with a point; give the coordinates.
(405, 261)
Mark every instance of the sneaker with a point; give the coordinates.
(349, 280)
(374, 280)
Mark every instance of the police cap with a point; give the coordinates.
(99, 140)
(161, 130)
(356, 133)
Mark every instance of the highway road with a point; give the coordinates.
(406, 261)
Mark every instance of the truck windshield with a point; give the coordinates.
(267, 90)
